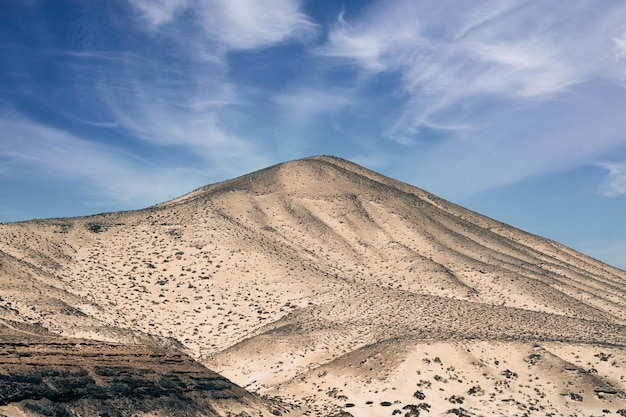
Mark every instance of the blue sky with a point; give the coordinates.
(515, 109)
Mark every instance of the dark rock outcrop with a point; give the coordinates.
(63, 377)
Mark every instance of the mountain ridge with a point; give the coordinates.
(280, 277)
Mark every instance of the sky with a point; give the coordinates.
(514, 109)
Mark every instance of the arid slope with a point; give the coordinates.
(332, 286)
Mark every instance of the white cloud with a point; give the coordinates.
(106, 175)
(620, 56)
(490, 77)
(248, 24)
(232, 24)
(386, 37)
(615, 182)
(513, 49)
(159, 12)
(163, 108)
(620, 46)
(508, 144)
(194, 103)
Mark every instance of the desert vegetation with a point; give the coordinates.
(337, 290)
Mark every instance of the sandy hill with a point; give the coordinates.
(334, 289)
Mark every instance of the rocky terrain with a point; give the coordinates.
(47, 375)
(319, 285)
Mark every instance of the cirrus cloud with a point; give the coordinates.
(498, 81)
(233, 24)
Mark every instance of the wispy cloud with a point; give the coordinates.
(168, 107)
(233, 24)
(620, 46)
(615, 182)
(174, 101)
(159, 12)
(188, 97)
(489, 77)
(514, 50)
(106, 175)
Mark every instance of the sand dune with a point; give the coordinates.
(335, 289)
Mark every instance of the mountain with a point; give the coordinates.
(327, 289)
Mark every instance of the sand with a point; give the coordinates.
(324, 284)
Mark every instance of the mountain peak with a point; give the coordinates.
(328, 284)
(315, 175)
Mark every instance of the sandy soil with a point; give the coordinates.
(326, 284)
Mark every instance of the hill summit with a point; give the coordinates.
(332, 288)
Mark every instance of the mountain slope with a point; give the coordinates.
(312, 266)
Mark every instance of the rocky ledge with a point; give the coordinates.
(61, 377)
